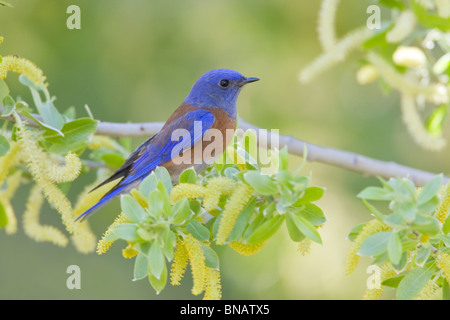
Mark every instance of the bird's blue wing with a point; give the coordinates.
(170, 143)
(158, 150)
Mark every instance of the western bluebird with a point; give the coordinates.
(211, 104)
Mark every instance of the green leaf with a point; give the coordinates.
(393, 4)
(140, 267)
(446, 226)
(156, 203)
(430, 206)
(169, 240)
(132, 209)
(165, 198)
(430, 190)
(188, 176)
(148, 185)
(428, 19)
(311, 194)
(355, 231)
(163, 175)
(156, 261)
(443, 64)
(312, 213)
(198, 230)
(373, 210)
(211, 257)
(294, 233)
(413, 282)
(158, 283)
(402, 264)
(423, 254)
(8, 106)
(393, 282)
(426, 225)
(375, 193)
(124, 231)
(435, 121)
(266, 230)
(75, 135)
(394, 248)
(180, 211)
(255, 223)
(262, 184)
(41, 123)
(6, 4)
(27, 82)
(51, 115)
(4, 146)
(242, 221)
(3, 216)
(283, 158)
(375, 244)
(305, 227)
(445, 290)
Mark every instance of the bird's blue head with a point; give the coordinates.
(218, 88)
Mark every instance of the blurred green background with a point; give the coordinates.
(136, 61)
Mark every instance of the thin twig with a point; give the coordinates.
(335, 157)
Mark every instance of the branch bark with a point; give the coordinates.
(339, 158)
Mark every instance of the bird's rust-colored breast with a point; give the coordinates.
(209, 148)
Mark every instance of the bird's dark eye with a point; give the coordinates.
(224, 83)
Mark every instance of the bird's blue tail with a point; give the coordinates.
(104, 200)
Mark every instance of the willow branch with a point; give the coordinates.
(315, 153)
(339, 158)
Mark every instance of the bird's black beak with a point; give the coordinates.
(248, 80)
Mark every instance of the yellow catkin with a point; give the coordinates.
(186, 190)
(104, 141)
(197, 263)
(404, 25)
(104, 245)
(213, 288)
(442, 211)
(64, 173)
(366, 74)
(217, 187)
(13, 183)
(35, 159)
(416, 127)
(337, 54)
(8, 160)
(139, 197)
(375, 293)
(88, 242)
(326, 24)
(129, 252)
(443, 263)
(11, 226)
(428, 291)
(407, 85)
(370, 228)
(22, 66)
(304, 247)
(246, 249)
(231, 211)
(179, 264)
(31, 225)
